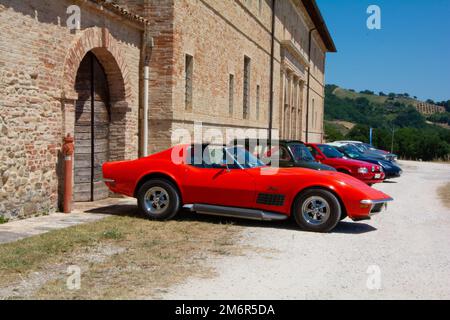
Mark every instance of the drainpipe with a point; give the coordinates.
(307, 85)
(145, 115)
(272, 52)
(148, 51)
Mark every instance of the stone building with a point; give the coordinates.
(428, 108)
(226, 64)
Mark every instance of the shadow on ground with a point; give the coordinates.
(129, 210)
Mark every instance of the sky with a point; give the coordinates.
(409, 54)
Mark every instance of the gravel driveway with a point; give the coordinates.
(403, 253)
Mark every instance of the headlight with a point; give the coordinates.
(363, 170)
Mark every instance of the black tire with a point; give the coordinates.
(160, 190)
(330, 215)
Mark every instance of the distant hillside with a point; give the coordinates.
(350, 114)
(375, 98)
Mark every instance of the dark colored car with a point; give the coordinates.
(390, 169)
(364, 171)
(370, 151)
(291, 153)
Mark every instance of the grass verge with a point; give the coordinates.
(119, 257)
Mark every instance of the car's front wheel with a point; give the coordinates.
(158, 199)
(317, 210)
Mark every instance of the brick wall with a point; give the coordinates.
(34, 44)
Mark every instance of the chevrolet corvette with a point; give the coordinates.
(230, 181)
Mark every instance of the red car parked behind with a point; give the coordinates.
(364, 171)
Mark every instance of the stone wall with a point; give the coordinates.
(218, 34)
(34, 45)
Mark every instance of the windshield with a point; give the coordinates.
(216, 156)
(301, 152)
(351, 151)
(329, 151)
(242, 157)
(368, 146)
(360, 147)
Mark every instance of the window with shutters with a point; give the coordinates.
(246, 102)
(257, 101)
(230, 94)
(188, 79)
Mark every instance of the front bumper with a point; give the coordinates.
(376, 206)
(395, 174)
(372, 177)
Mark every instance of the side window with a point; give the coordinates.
(195, 156)
(209, 157)
(284, 154)
(213, 157)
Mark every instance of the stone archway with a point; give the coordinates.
(100, 43)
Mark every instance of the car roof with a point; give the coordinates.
(349, 141)
(274, 141)
(337, 144)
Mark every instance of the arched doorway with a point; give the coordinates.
(92, 129)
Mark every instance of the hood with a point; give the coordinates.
(298, 171)
(340, 181)
(314, 165)
(353, 162)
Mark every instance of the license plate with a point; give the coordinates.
(377, 176)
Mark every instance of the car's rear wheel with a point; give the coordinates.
(158, 199)
(317, 210)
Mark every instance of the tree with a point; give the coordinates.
(409, 117)
(332, 133)
(382, 94)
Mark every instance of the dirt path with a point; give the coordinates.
(408, 247)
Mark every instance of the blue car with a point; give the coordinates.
(390, 169)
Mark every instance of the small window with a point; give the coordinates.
(188, 78)
(246, 103)
(257, 102)
(231, 94)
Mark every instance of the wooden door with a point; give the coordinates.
(92, 118)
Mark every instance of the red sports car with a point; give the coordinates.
(229, 181)
(367, 172)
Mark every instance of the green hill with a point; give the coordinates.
(414, 136)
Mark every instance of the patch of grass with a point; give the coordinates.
(444, 194)
(112, 234)
(3, 220)
(152, 255)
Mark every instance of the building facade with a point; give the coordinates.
(224, 64)
(428, 108)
